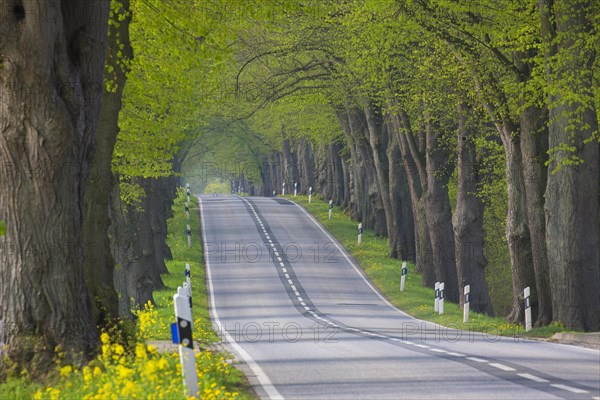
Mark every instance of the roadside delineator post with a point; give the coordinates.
(403, 276)
(436, 299)
(466, 306)
(187, 210)
(441, 305)
(330, 208)
(283, 189)
(188, 192)
(188, 278)
(360, 231)
(182, 335)
(295, 189)
(310, 194)
(527, 294)
(274, 193)
(188, 232)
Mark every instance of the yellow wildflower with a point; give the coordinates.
(66, 370)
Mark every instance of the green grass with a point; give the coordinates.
(182, 254)
(384, 272)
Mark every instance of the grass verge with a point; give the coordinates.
(128, 367)
(416, 300)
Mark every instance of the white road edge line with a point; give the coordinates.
(261, 376)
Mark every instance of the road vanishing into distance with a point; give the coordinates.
(306, 324)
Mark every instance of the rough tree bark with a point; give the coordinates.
(365, 175)
(534, 147)
(376, 129)
(97, 259)
(414, 168)
(468, 221)
(51, 65)
(137, 273)
(572, 234)
(403, 225)
(517, 230)
(439, 216)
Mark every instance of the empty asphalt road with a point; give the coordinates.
(306, 324)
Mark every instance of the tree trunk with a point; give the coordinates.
(290, 165)
(572, 231)
(404, 237)
(97, 259)
(413, 164)
(371, 205)
(50, 80)
(376, 128)
(439, 216)
(468, 221)
(517, 231)
(534, 146)
(132, 278)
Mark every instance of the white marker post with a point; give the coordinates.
(403, 276)
(283, 189)
(467, 306)
(527, 294)
(188, 192)
(330, 208)
(188, 232)
(274, 193)
(188, 278)
(441, 305)
(436, 301)
(183, 327)
(310, 194)
(295, 189)
(187, 210)
(359, 233)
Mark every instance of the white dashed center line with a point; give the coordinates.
(533, 378)
(569, 388)
(502, 367)
(479, 360)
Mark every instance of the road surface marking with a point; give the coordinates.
(290, 282)
(438, 350)
(479, 360)
(569, 388)
(423, 346)
(502, 367)
(455, 354)
(262, 378)
(533, 378)
(284, 270)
